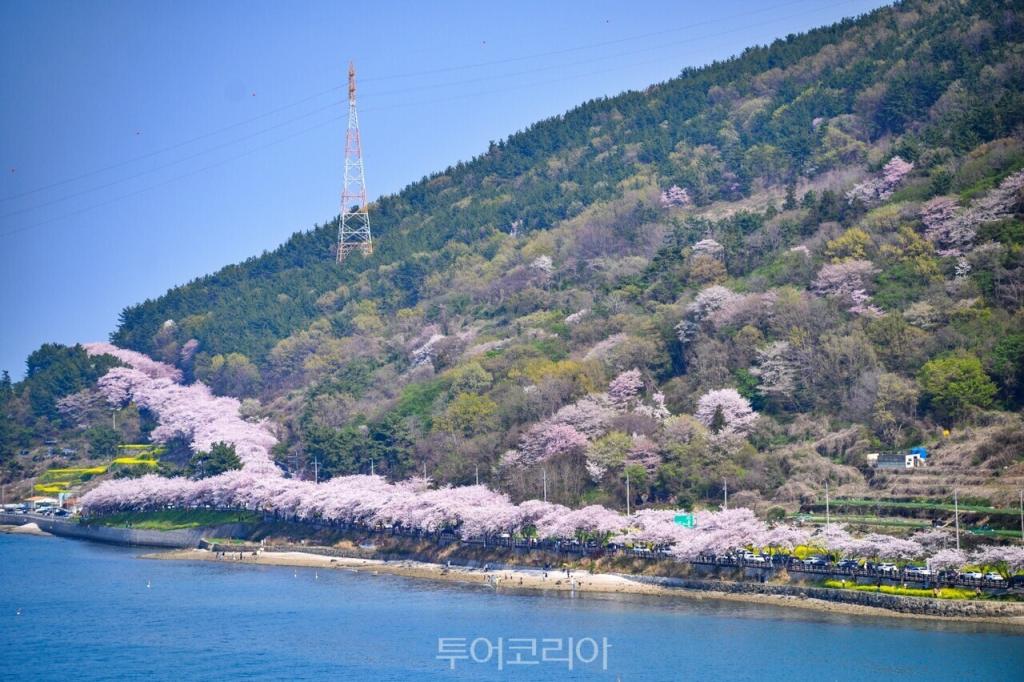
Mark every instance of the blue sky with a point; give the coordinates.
(145, 144)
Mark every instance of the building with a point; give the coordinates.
(908, 459)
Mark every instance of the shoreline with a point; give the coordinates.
(24, 529)
(579, 582)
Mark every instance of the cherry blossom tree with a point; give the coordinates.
(947, 559)
(590, 416)
(707, 301)
(708, 247)
(624, 390)
(143, 363)
(188, 350)
(725, 411)
(881, 187)
(776, 371)
(675, 196)
(840, 280)
(1005, 560)
(544, 441)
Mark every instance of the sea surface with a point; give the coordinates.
(82, 611)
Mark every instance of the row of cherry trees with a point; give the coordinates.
(194, 413)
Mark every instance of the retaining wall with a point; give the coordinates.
(176, 539)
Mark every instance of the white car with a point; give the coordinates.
(973, 575)
(993, 576)
(888, 568)
(918, 570)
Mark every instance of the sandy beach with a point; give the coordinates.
(25, 529)
(555, 580)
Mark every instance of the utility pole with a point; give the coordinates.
(478, 474)
(725, 482)
(424, 471)
(371, 467)
(545, 473)
(627, 492)
(1022, 515)
(316, 470)
(956, 518)
(827, 515)
(113, 419)
(354, 231)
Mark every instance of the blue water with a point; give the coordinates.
(87, 614)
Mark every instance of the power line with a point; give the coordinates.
(128, 195)
(577, 48)
(177, 145)
(320, 125)
(169, 164)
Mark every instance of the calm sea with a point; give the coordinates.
(93, 612)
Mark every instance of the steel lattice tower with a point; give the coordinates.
(354, 232)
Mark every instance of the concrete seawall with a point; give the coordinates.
(184, 538)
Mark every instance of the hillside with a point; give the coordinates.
(753, 274)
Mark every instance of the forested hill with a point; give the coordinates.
(755, 273)
(774, 115)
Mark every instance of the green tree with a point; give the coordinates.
(55, 371)
(232, 374)
(717, 420)
(955, 383)
(1008, 367)
(468, 415)
(103, 441)
(895, 405)
(220, 458)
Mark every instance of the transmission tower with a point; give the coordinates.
(354, 232)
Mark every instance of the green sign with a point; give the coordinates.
(685, 520)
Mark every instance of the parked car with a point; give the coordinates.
(887, 568)
(754, 558)
(816, 560)
(972, 575)
(994, 577)
(848, 564)
(922, 571)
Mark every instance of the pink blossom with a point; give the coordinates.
(842, 279)
(544, 441)
(675, 196)
(624, 390)
(735, 410)
(1006, 560)
(881, 187)
(590, 416)
(188, 350)
(946, 559)
(143, 363)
